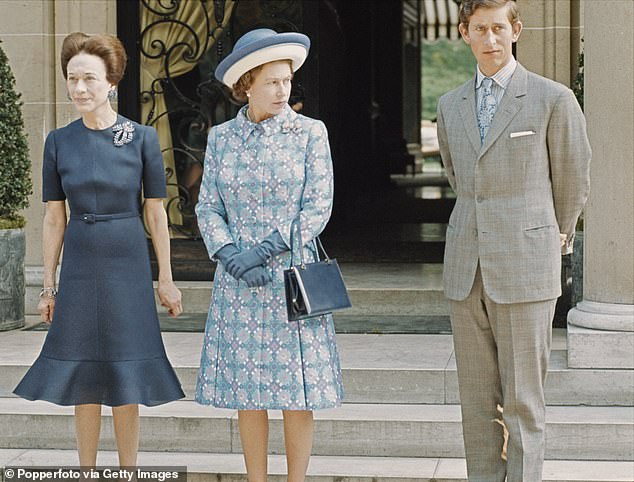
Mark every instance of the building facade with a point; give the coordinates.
(370, 131)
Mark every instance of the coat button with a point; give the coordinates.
(479, 199)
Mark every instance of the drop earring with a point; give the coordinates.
(112, 95)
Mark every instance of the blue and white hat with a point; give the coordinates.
(261, 46)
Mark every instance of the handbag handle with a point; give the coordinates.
(295, 226)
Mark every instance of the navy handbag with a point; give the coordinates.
(313, 289)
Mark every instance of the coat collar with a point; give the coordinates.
(286, 121)
(509, 106)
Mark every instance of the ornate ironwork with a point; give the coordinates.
(195, 101)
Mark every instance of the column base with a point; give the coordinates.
(602, 316)
(601, 335)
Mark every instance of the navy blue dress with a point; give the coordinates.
(104, 345)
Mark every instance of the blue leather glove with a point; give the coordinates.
(271, 245)
(226, 254)
(257, 276)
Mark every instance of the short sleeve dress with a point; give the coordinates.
(104, 345)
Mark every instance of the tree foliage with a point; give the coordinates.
(445, 64)
(15, 164)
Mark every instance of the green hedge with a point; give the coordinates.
(15, 164)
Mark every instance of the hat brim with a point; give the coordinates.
(292, 46)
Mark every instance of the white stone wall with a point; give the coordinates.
(551, 39)
(32, 32)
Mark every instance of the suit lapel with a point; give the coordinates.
(468, 114)
(509, 107)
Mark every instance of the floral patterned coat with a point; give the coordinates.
(258, 177)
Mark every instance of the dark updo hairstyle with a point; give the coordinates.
(107, 47)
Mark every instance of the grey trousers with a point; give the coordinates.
(502, 353)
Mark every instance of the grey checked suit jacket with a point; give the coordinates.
(514, 194)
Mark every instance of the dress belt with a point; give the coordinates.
(91, 218)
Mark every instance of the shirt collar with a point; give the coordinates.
(502, 77)
(280, 122)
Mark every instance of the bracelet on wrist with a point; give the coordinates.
(48, 293)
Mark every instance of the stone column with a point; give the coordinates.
(29, 45)
(550, 42)
(601, 327)
(88, 16)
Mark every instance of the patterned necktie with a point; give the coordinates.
(488, 106)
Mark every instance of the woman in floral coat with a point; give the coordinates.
(263, 169)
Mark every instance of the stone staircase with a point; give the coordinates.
(400, 422)
(376, 289)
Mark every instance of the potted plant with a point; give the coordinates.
(15, 188)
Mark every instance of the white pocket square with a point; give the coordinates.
(522, 134)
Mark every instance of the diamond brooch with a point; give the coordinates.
(289, 126)
(123, 133)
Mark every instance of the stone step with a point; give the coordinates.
(374, 289)
(583, 433)
(205, 467)
(401, 369)
(190, 262)
(344, 323)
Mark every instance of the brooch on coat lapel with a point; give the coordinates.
(123, 133)
(289, 126)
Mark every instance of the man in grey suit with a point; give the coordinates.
(515, 149)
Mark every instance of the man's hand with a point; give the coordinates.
(563, 238)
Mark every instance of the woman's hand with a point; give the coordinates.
(53, 229)
(241, 263)
(46, 306)
(156, 218)
(170, 297)
(256, 277)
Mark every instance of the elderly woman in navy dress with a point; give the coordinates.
(104, 344)
(263, 169)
